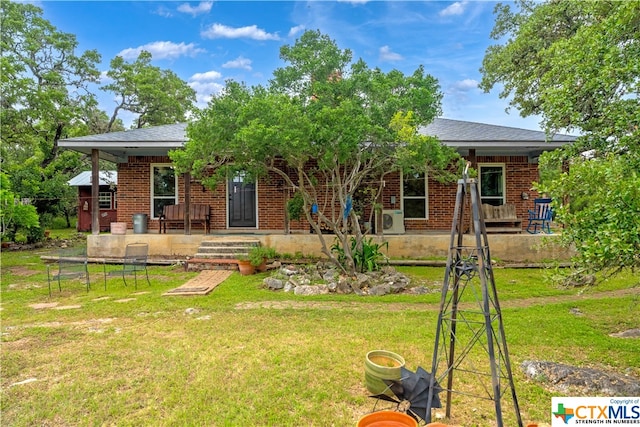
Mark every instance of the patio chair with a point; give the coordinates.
(540, 217)
(71, 264)
(134, 262)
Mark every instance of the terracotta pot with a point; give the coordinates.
(262, 267)
(436, 424)
(381, 365)
(245, 267)
(387, 419)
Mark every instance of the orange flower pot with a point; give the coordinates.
(387, 419)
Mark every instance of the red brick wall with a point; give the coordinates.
(134, 196)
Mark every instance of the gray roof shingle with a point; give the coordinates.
(458, 130)
(164, 133)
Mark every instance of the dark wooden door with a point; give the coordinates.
(242, 202)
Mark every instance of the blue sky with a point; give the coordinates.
(205, 43)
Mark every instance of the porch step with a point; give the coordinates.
(220, 254)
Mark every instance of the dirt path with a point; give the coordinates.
(517, 303)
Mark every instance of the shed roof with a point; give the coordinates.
(84, 178)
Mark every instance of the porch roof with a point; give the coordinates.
(489, 139)
(486, 139)
(117, 146)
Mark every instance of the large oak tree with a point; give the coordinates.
(329, 127)
(45, 90)
(577, 64)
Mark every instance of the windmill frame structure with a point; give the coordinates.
(470, 318)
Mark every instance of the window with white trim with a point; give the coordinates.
(104, 199)
(492, 183)
(164, 184)
(414, 196)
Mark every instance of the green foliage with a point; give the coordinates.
(295, 206)
(603, 219)
(328, 126)
(156, 96)
(45, 94)
(258, 255)
(16, 219)
(577, 64)
(367, 254)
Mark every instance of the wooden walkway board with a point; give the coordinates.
(202, 284)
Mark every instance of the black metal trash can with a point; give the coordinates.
(140, 223)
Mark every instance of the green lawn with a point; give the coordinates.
(124, 358)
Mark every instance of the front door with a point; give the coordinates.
(242, 202)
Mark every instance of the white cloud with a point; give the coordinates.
(205, 91)
(163, 11)
(209, 75)
(387, 55)
(162, 50)
(295, 30)
(202, 7)
(456, 8)
(206, 86)
(104, 79)
(239, 62)
(216, 31)
(465, 85)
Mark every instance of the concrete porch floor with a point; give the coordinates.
(516, 248)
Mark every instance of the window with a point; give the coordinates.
(492, 189)
(414, 193)
(163, 188)
(104, 199)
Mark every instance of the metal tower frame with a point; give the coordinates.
(470, 316)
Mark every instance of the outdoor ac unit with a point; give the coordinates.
(392, 222)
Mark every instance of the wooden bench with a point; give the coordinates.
(501, 219)
(174, 215)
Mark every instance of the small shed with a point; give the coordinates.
(106, 199)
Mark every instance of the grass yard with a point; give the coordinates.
(246, 356)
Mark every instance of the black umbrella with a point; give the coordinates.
(414, 388)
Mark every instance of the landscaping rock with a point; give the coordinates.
(565, 377)
(307, 290)
(630, 333)
(329, 279)
(273, 283)
(380, 290)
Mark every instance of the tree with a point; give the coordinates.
(577, 64)
(15, 216)
(44, 93)
(157, 96)
(330, 128)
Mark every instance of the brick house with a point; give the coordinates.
(506, 159)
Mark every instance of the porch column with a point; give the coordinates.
(95, 190)
(472, 158)
(187, 202)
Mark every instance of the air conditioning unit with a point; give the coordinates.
(392, 222)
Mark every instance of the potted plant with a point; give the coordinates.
(245, 266)
(258, 256)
